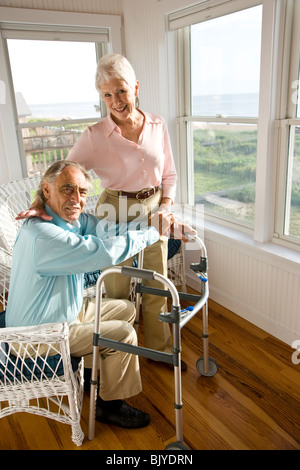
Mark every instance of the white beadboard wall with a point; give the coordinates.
(104, 7)
(262, 288)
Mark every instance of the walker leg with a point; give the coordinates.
(206, 365)
(205, 337)
(93, 394)
(138, 294)
(178, 393)
(177, 383)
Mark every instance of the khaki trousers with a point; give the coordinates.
(119, 371)
(156, 333)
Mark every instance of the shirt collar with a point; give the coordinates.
(111, 126)
(72, 227)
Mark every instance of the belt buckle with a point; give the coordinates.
(144, 193)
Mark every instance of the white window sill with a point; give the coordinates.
(273, 253)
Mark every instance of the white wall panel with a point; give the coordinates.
(262, 289)
(141, 48)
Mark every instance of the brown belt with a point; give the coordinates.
(143, 194)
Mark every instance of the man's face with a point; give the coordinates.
(67, 196)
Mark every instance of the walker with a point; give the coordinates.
(178, 318)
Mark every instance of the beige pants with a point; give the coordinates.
(119, 371)
(157, 334)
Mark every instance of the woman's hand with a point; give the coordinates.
(180, 231)
(166, 224)
(162, 221)
(34, 212)
(165, 204)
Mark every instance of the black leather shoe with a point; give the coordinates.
(125, 416)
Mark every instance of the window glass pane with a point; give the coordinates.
(225, 169)
(55, 78)
(225, 57)
(53, 81)
(292, 213)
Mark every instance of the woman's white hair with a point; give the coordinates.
(113, 66)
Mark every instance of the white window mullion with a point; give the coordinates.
(9, 150)
(266, 161)
(185, 134)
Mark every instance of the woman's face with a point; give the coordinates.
(119, 98)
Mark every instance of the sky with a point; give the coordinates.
(226, 54)
(53, 71)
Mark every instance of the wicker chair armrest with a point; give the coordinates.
(46, 334)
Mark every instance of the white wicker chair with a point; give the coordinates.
(5, 267)
(176, 269)
(17, 196)
(35, 383)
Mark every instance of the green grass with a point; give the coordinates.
(225, 164)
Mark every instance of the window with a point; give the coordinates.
(222, 112)
(54, 90)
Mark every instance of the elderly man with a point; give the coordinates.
(47, 284)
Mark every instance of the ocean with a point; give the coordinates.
(244, 104)
(64, 110)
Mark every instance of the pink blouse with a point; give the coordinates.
(124, 165)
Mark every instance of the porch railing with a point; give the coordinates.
(45, 142)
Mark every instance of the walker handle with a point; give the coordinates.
(201, 245)
(138, 273)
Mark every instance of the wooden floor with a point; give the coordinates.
(253, 402)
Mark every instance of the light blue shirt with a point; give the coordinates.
(49, 260)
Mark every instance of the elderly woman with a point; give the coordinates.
(130, 151)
